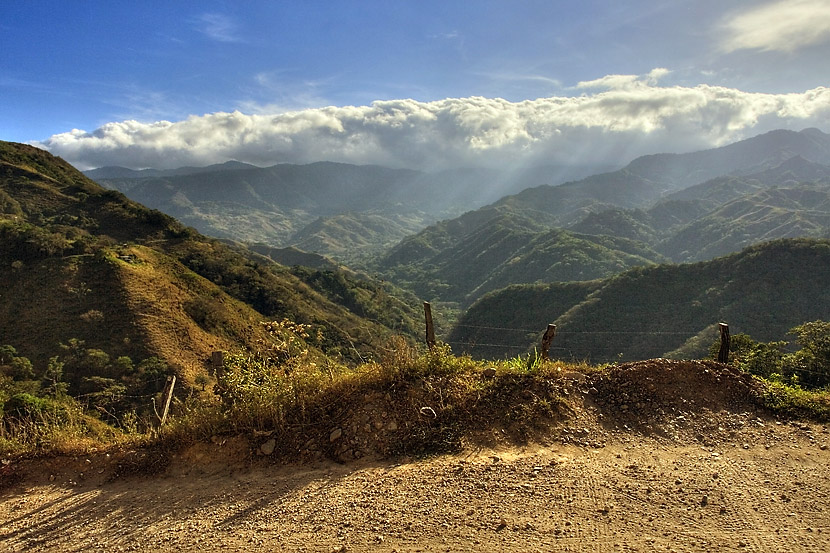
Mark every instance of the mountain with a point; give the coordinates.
(632, 211)
(656, 311)
(726, 214)
(291, 256)
(355, 238)
(82, 263)
(769, 214)
(335, 209)
(116, 172)
(717, 191)
(462, 259)
(647, 179)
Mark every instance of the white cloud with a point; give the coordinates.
(218, 27)
(785, 25)
(632, 116)
(624, 82)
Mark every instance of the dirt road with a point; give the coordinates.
(653, 456)
(766, 489)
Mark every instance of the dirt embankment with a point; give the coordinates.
(654, 456)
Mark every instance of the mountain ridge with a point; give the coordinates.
(647, 312)
(112, 272)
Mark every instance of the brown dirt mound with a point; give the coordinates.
(701, 400)
(679, 401)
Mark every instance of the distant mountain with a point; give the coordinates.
(718, 191)
(355, 238)
(657, 311)
(332, 208)
(81, 262)
(783, 199)
(647, 179)
(772, 213)
(460, 260)
(116, 172)
(292, 256)
(727, 214)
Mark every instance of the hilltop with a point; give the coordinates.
(85, 265)
(664, 310)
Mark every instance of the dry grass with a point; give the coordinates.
(290, 392)
(66, 430)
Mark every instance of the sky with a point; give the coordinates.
(420, 84)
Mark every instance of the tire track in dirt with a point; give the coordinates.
(671, 477)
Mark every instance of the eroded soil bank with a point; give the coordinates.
(652, 465)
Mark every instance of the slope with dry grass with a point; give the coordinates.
(85, 263)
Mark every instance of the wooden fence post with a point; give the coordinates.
(430, 329)
(217, 362)
(723, 352)
(167, 395)
(547, 339)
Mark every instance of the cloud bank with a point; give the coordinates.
(615, 119)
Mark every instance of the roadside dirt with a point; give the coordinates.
(686, 465)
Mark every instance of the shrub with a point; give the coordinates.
(811, 364)
(26, 406)
(259, 387)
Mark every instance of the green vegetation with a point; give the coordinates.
(466, 258)
(90, 377)
(134, 282)
(808, 367)
(797, 382)
(650, 311)
(61, 407)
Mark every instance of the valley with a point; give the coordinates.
(660, 209)
(407, 277)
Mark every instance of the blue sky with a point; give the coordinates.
(417, 84)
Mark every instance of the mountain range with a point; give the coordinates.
(565, 247)
(84, 265)
(648, 212)
(347, 211)
(659, 311)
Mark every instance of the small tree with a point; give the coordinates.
(53, 378)
(812, 362)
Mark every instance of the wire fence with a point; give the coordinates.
(566, 352)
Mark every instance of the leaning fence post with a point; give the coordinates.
(547, 339)
(217, 363)
(430, 329)
(723, 352)
(167, 395)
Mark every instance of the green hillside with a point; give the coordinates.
(81, 262)
(650, 311)
(504, 323)
(355, 238)
(679, 207)
(769, 214)
(463, 259)
(345, 211)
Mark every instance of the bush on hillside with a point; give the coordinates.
(808, 367)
